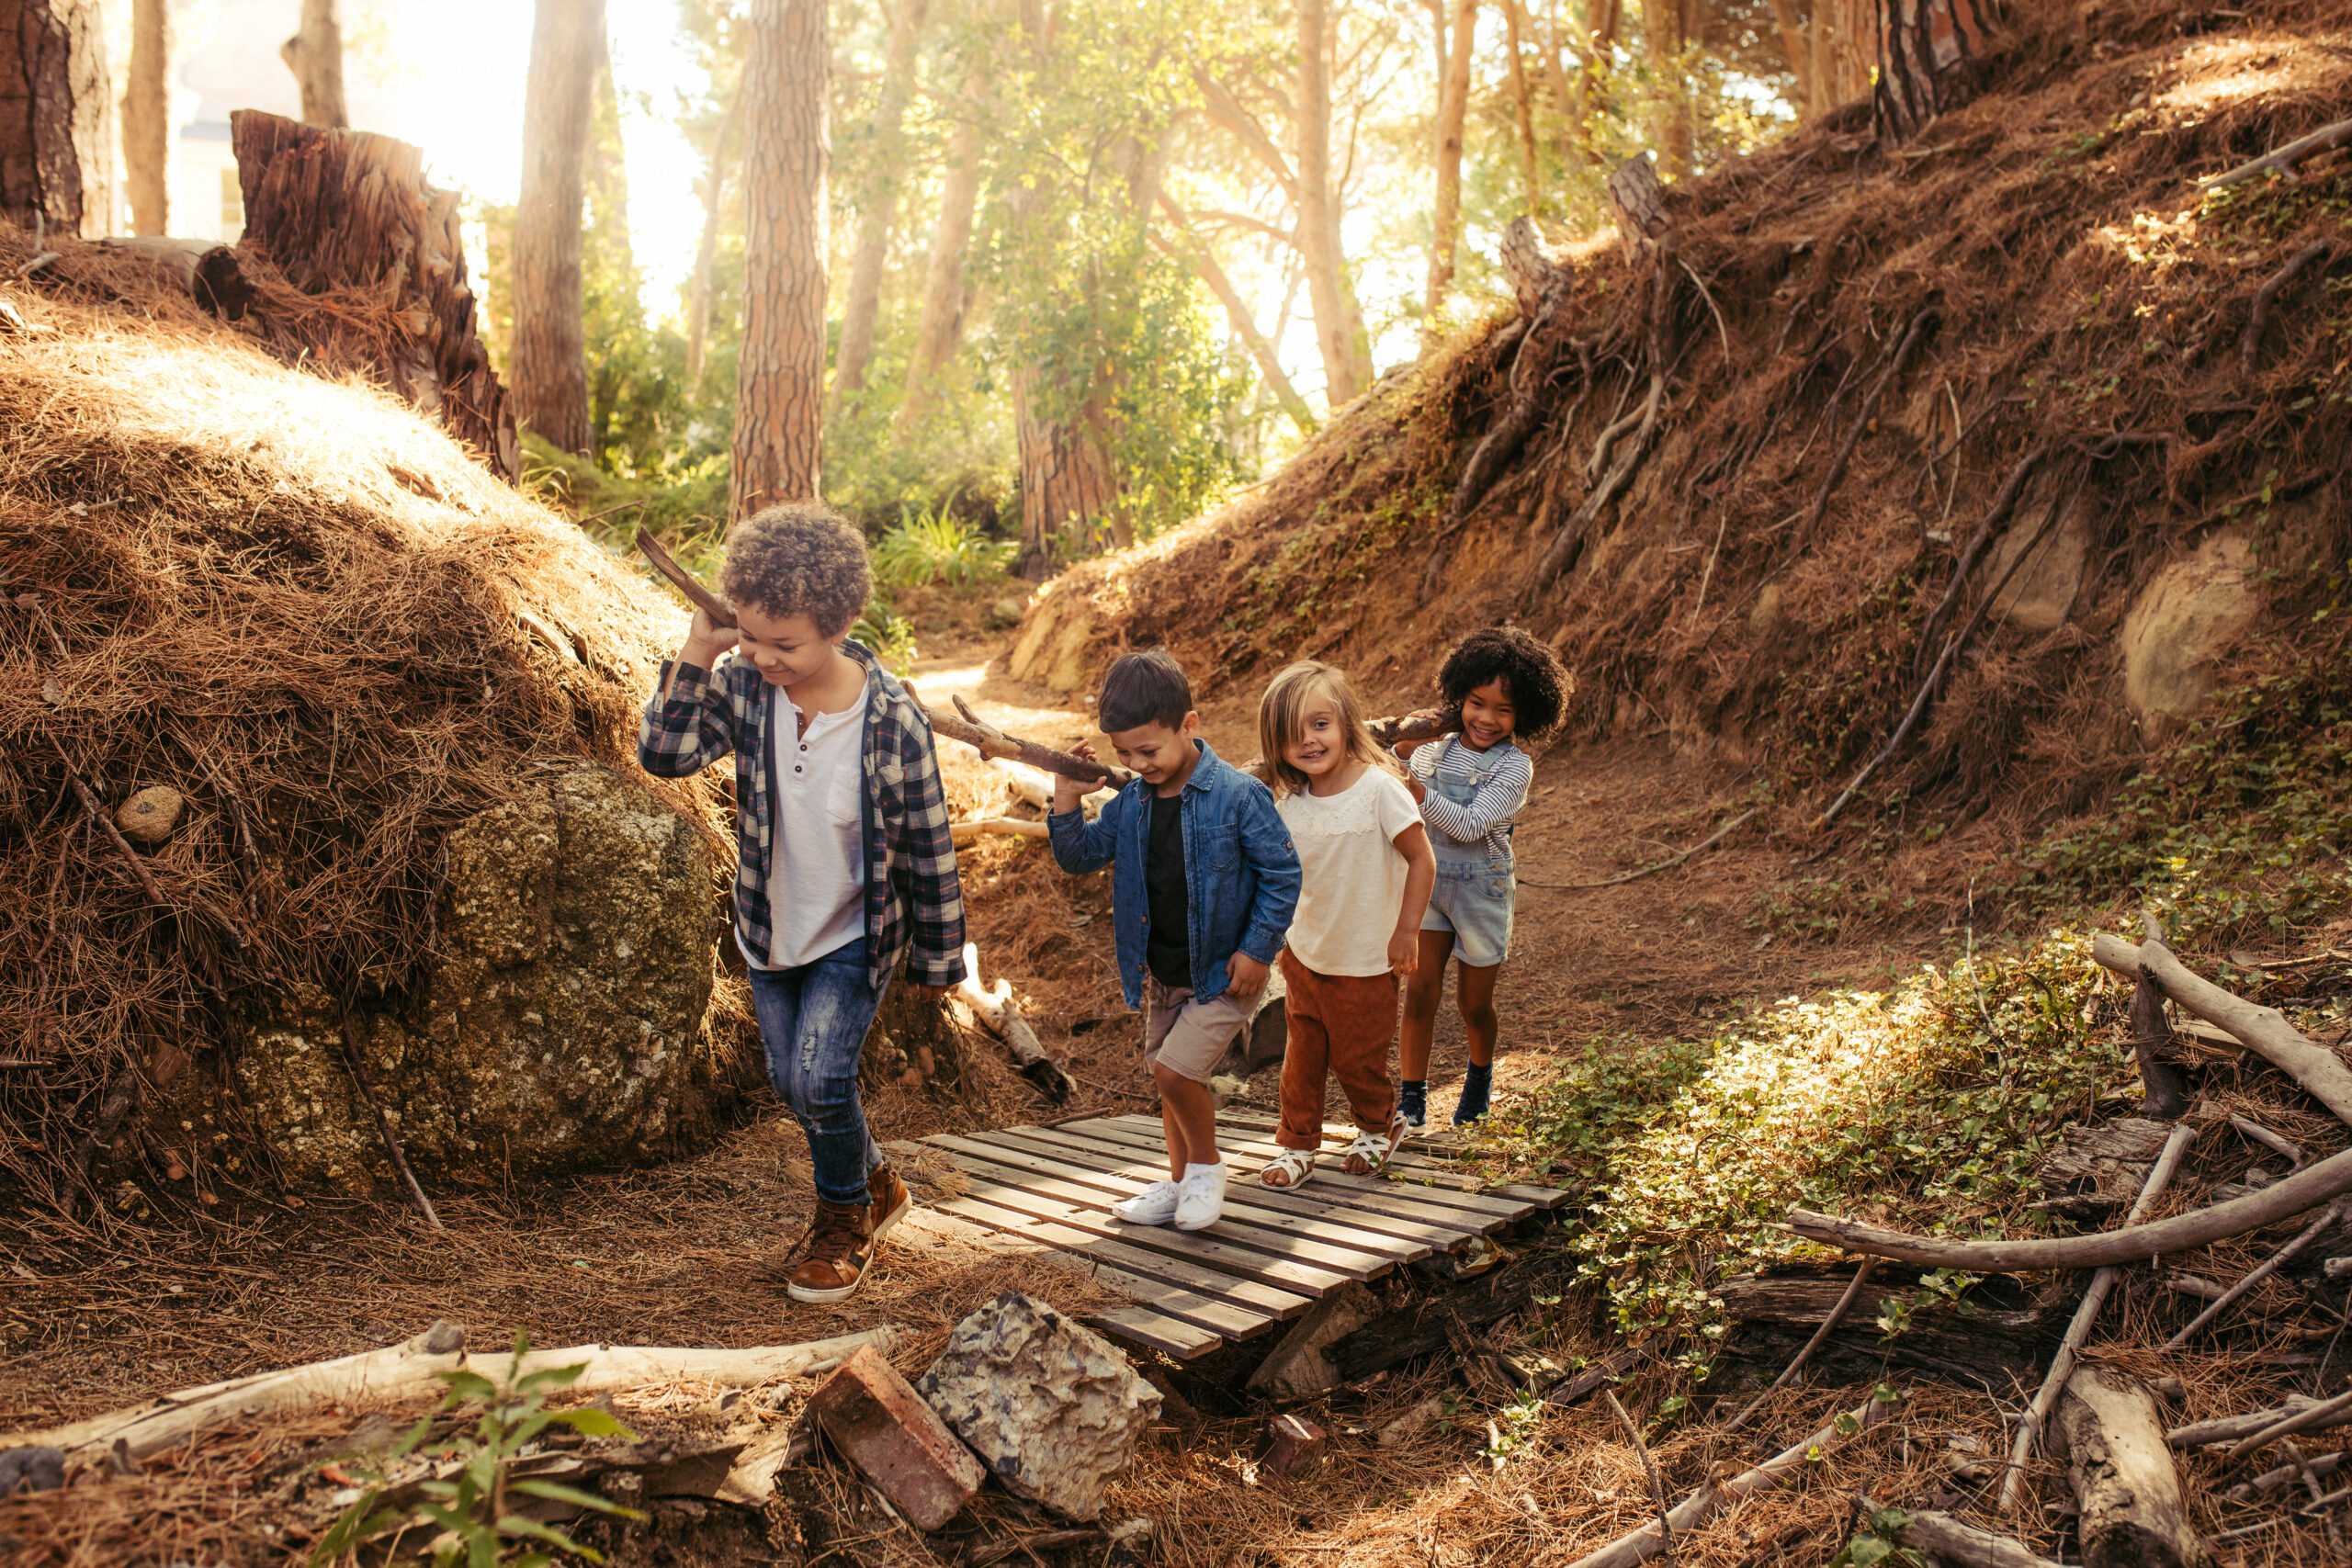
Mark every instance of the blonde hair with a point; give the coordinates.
(1281, 714)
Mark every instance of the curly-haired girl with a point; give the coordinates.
(1471, 785)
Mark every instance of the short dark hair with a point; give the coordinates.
(800, 557)
(1538, 683)
(1146, 686)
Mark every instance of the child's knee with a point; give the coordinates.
(1421, 993)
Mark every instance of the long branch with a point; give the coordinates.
(2264, 1031)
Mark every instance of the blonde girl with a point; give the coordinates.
(1367, 871)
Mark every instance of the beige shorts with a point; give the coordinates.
(1185, 1037)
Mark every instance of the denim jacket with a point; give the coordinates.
(1241, 873)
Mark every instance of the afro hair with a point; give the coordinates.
(1533, 678)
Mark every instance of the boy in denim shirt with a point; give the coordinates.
(1203, 884)
(847, 866)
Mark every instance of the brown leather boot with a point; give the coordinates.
(892, 1201)
(839, 1245)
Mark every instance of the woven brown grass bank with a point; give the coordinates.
(302, 607)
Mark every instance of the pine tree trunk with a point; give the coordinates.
(876, 214)
(315, 56)
(714, 189)
(1339, 325)
(348, 210)
(1664, 35)
(1523, 102)
(1921, 46)
(1843, 49)
(146, 117)
(1445, 218)
(55, 157)
(1068, 482)
(551, 368)
(1790, 25)
(941, 329)
(780, 369)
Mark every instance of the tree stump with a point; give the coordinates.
(2125, 1483)
(345, 211)
(1639, 201)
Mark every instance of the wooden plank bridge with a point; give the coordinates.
(1051, 1188)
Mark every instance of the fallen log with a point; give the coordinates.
(411, 1370)
(2263, 1031)
(2125, 1483)
(2306, 1190)
(1640, 1545)
(997, 1013)
(2061, 1365)
(1835, 1315)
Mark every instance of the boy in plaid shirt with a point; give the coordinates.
(847, 866)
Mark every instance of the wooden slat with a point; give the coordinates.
(1082, 1211)
(1268, 1230)
(1268, 1301)
(1437, 1204)
(1451, 1189)
(1145, 1326)
(1541, 1197)
(1446, 1231)
(1222, 1315)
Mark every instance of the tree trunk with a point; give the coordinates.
(1525, 103)
(1921, 46)
(550, 366)
(941, 326)
(1789, 24)
(1663, 37)
(1445, 219)
(1068, 482)
(1338, 328)
(147, 117)
(2125, 1482)
(881, 204)
(713, 199)
(780, 369)
(315, 56)
(54, 157)
(346, 210)
(1843, 51)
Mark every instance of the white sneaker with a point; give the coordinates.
(1201, 1202)
(1155, 1205)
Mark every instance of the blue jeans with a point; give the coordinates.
(813, 1023)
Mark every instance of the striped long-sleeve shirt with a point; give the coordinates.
(1487, 818)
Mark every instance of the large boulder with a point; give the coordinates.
(1051, 1407)
(2179, 626)
(564, 1024)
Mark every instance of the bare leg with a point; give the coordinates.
(1474, 993)
(1423, 989)
(1188, 1116)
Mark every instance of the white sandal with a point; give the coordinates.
(1297, 1166)
(1376, 1149)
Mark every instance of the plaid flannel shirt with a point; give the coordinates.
(914, 902)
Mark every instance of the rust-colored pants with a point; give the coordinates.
(1339, 1024)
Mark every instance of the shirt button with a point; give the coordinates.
(796, 767)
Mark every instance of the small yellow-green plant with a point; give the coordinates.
(470, 1505)
(936, 547)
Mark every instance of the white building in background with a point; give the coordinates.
(224, 58)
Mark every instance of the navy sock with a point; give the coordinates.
(1413, 1100)
(1477, 1090)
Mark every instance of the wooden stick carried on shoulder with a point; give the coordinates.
(987, 739)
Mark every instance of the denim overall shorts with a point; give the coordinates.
(1476, 887)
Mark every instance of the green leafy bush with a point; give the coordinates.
(936, 547)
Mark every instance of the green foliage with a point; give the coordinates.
(467, 1494)
(1878, 1538)
(934, 547)
(889, 634)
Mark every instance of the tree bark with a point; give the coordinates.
(336, 209)
(315, 56)
(880, 208)
(1664, 35)
(55, 160)
(1338, 328)
(2125, 1481)
(713, 202)
(1842, 49)
(1445, 218)
(941, 329)
(780, 369)
(147, 117)
(1068, 482)
(1921, 46)
(550, 366)
(1523, 101)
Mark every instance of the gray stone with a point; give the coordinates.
(1297, 1369)
(1051, 1407)
(564, 1024)
(1006, 613)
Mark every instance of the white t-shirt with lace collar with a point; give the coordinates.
(1353, 882)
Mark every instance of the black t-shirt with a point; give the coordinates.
(1166, 948)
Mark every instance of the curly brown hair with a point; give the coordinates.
(800, 557)
(1539, 685)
